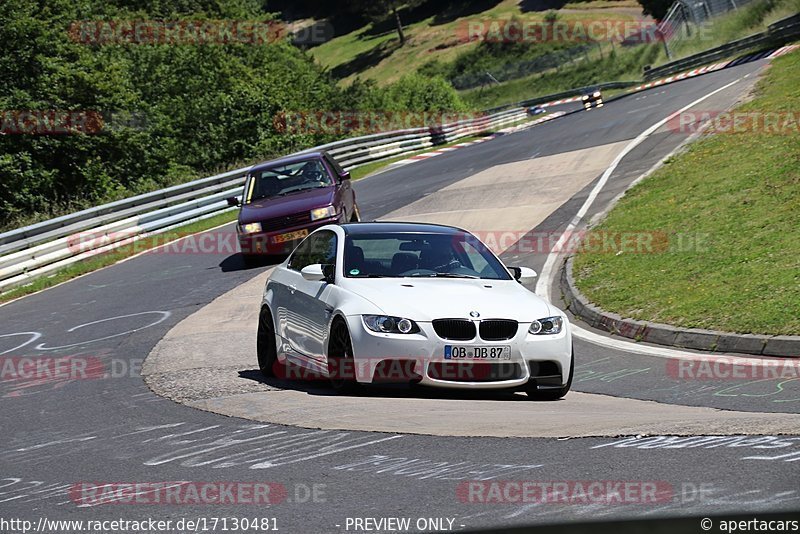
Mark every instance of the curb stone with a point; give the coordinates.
(663, 334)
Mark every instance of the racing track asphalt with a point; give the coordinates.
(58, 433)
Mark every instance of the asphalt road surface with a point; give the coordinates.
(62, 437)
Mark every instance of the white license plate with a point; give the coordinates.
(461, 352)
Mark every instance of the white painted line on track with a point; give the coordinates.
(545, 280)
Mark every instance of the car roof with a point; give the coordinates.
(288, 160)
(377, 227)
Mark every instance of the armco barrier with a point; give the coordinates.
(778, 33)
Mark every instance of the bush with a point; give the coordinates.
(171, 112)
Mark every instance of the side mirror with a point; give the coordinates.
(233, 201)
(318, 273)
(523, 275)
(345, 175)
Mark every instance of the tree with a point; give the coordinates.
(656, 8)
(381, 10)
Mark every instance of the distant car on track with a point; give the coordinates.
(592, 99)
(536, 110)
(286, 199)
(416, 303)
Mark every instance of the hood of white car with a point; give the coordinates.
(426, 299)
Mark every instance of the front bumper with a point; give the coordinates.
(538, 357)
(268, 243)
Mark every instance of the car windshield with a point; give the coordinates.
(428, 255)
(288, 179)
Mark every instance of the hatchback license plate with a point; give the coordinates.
(291, 236)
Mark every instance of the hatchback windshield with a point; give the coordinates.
(420, 255)
(287, 179)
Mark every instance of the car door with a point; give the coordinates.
(307, 307)
(346, 195)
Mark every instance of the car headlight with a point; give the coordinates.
(548, 325)
(251, 228)
(597, 93)
(390, 325)
(323, 213)
(585, 97)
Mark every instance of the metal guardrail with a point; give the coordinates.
(565, 94)
(779, 33)
(42, 248)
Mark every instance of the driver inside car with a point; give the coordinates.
(312, 173)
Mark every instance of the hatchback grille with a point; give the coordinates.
(498, 329)
(456, 329)
(286, 221)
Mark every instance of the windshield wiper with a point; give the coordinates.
(443, 275)
(293, 191)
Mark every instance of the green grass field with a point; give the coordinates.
(430, 40)
(738, 194)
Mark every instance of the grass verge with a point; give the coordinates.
(99, 261)
(726, 211)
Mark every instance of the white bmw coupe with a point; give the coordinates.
(416, 303)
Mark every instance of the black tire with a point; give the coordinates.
(356, 217)
(340, 348)
(551, 394)
(265, 346)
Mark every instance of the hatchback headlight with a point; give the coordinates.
(548, 325)
(251, 228)
(323, 213)
(390, 325)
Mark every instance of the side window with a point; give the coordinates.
(318, 248)
(298, 259)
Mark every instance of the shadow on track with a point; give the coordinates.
(238, 262)
(321, 387)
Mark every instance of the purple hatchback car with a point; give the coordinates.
(286, 199)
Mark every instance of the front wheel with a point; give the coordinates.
(341, 364)
(266, 347)
(551, 394)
